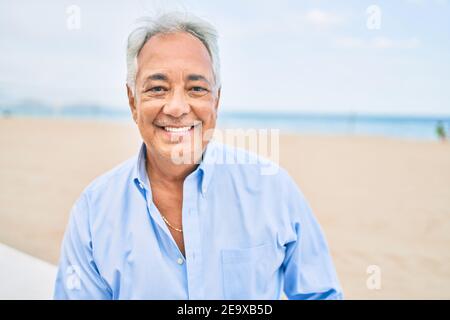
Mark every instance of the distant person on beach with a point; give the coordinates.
(440, 131)
(182, 219)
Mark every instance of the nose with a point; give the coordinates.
(176, 105)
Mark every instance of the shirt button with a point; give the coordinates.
(180, 261)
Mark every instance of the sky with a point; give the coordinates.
(382, 57)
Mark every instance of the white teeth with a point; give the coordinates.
(174, 129)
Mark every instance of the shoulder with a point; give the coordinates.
(97, 202)
(103, 190)
(252, 170)
(113, 178)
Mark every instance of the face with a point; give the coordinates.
(175, 95)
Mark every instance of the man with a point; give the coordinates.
(161, 227)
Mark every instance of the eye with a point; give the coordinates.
(157, 89)
(198, 89)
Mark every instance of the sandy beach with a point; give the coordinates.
(380, 201)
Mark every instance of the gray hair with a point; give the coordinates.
(170, 23)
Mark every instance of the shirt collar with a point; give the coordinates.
(207, 165)
(140, 176)
(206, 168)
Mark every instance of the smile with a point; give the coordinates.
(176, 132)
(178, 129)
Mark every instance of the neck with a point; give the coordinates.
(164, 172)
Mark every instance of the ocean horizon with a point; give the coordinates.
(401, 126)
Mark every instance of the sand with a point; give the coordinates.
(380, 201)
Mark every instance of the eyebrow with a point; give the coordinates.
(197, 77)
(157, 76)
(163, 77)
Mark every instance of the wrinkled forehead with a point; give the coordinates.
(176, 53)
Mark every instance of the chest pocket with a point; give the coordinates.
(247, 272)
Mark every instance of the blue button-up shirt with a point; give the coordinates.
(248, 234)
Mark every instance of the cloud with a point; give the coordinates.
(320, 18)
(422, 2)
(376, 43)
(387, 43)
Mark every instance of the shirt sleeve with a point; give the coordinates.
(309, 272)
(78, 276)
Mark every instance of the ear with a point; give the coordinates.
(132, 103)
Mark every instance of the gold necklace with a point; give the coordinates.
(168, 223)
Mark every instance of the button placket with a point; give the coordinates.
(193, 264)
(192, 241)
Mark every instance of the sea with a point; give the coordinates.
(422, 127)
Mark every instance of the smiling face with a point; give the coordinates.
(175, 93)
